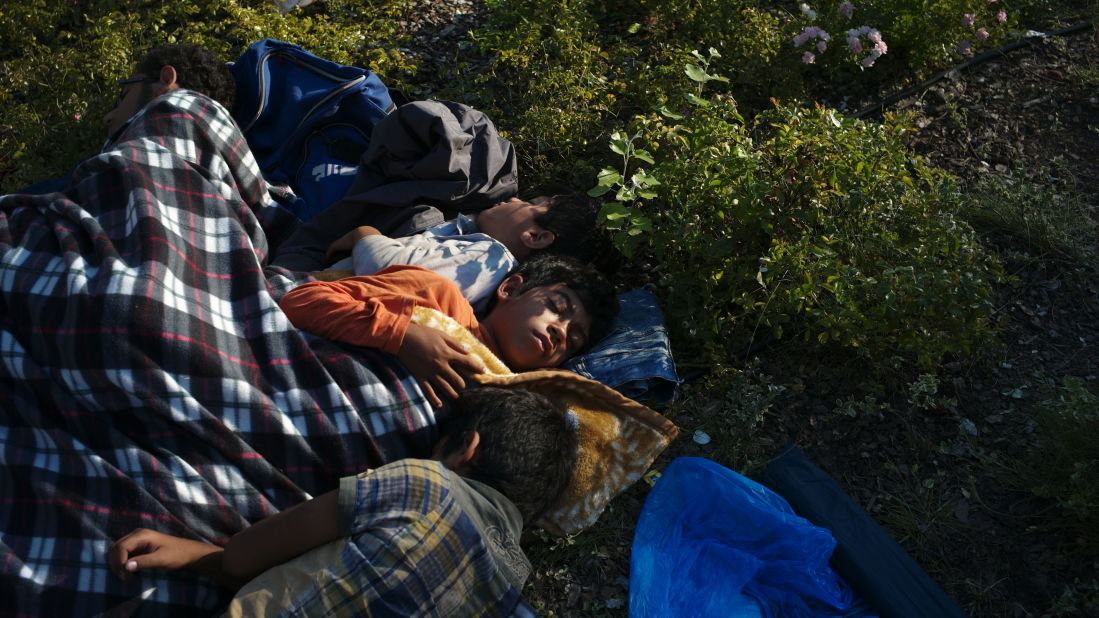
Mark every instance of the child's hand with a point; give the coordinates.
(149, 549)
(438, 361)
(345, 243)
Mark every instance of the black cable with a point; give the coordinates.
(975, 60)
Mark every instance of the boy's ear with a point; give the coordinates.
(168, 79)
(538, 238)
(509, 288)
(460, 458)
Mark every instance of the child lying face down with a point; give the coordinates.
(547, 310)
(413, 537)
(477, 251)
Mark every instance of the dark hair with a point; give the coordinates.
(197, 68)
(571, 218)
(527, 449)
(590, 285)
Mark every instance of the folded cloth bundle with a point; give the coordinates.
(619, 438)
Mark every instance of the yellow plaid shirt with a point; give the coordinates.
(419, 540)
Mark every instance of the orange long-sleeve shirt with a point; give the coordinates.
(375, 310)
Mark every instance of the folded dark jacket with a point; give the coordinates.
(427, 161)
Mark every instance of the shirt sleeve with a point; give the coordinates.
(475, 262)
(373, 311)
(397, 492)
(374, 253)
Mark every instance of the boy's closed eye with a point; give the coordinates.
(562, 305)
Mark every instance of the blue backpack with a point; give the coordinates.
(306, 119)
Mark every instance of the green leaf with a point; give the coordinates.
(613, 211)
(642, 179)
(695, 73)
(608, 176)
(646, 194)
(620, 143)
(598, 190)
(697, 101)
(640, 225)
(644, 156)
(667, 113)
(634, 27)
(714, 54)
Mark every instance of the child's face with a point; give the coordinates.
(542, 327)
(512, 223)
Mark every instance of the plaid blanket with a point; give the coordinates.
(149, 379)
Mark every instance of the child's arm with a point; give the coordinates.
(369, 312)
(375, 311)
(344, 244)
(252, 551)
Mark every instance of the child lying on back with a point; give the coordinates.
(477, 251)
(411, 538)
(547, 310)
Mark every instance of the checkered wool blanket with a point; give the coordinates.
(148, 377)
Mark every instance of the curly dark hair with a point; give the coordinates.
(197, 68)
(571, 218)
(527, 450)
(595, 292)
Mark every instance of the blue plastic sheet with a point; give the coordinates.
(711, 542)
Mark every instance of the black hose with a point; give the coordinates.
(975, 60)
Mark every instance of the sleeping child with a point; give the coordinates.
(547, 310)
(411, 538)
(477, 251)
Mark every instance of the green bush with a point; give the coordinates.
(59, 61)
(562, 71)
(798, 225)
(550, 89)
(924, 36)
(1065, 465)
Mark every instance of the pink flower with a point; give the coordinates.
(968, 19)
(855, 44)
(77, 116)
(965, 48)
(846, 9)
(808, 58)
(822, 46)
(867, 62)
(881, 47)
(874, 36)
(1001, 16)
(982, 34)
(800, 39)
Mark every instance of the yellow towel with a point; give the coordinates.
(618, 437)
